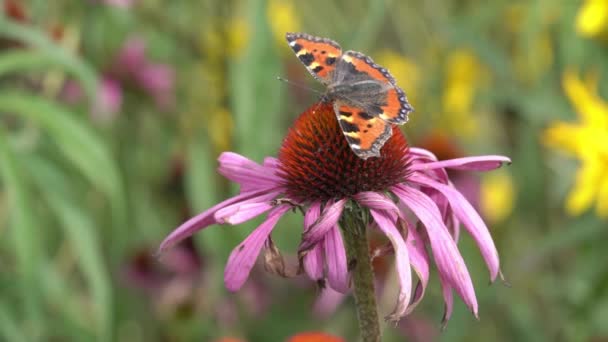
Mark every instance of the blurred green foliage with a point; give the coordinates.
(106, 145)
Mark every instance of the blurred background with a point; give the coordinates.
(113, 112)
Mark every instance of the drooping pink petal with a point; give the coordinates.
(402, 261)
(247, 173)
(330, 217)
(419, 260)
(313, 262)
(203, 220)
(474, 224)
(244, 256)
(335, 257)
(241, 212)
(448, 300)
(447, 257)
(374, 200)
(481, 163)
(312, 215)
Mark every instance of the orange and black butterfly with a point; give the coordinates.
(366, 98)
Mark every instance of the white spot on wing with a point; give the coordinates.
(292, 43)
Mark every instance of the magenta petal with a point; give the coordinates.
(330, 217)
(374, 200)
(312, 215)
(481, 163)
(313, 262)
(241, 212)
(244, 256)
(465, 212)
(201, 221)
(402, 261)
(250, 175)
(417, 152)
(448, 300)
(447, 257)
(335, 256)
(419, 260)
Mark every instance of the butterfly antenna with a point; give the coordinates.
(298, 85)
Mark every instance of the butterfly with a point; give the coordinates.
(366, 98)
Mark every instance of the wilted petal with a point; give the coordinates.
(330, 217)
(244, 256)
(241, 212)
(482, 163)
(465, 212)
(447, 257)
(203, 220)
(376, 201)
(335, 256)
(275, 263)
(313, 262)
(402, 261)
(248, 174)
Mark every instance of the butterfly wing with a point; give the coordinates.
(390, 104)
(365, 134)
(319, 55)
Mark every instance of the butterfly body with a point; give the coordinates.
(365, 96)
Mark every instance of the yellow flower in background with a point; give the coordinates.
(592, 18)
(497, 196)
(282, 18)
(404, 70)
(586, 140)
(464, 76)
(238, 36)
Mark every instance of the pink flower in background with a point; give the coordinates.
(119, 3)
(133, 66)
(108, 100)
(130, 69)
(317, 172)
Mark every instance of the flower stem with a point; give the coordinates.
(360, 265)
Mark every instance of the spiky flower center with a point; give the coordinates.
(317, 163)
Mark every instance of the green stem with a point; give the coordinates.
(359, 261)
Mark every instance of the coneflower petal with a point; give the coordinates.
(465, 212)
(376, 201)
(419, 259)
(335, 257)
(330, 217)
(205, 219)
(402, 261)
(447, 257)
(247, 173)
(241, 212)
(244, 256)
(483, 163)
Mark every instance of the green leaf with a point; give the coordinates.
(9, 329)
(75, 139)
(27, 244)
(46, 53)
(80, 230)
(253, 78)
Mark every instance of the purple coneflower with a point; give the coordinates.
(405, 194)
